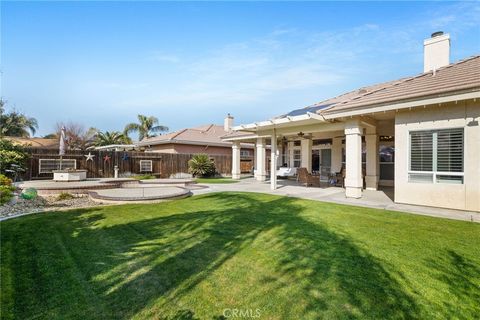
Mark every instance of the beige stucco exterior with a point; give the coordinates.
(461, 114)
(194, 149)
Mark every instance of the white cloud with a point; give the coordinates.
(290, 61)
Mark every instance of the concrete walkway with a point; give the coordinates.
(372, 199)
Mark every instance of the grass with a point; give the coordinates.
(143, 177)
(197, 257)
(216, 180)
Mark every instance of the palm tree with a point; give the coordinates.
(146, 127)
(16, 124)
(107, 138)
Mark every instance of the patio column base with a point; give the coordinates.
(371, 182)
(353, 192)
(261, 177)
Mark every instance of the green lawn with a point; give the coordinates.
(215, 180)
(196, 257)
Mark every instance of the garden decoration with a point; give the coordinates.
(29, 194)
(125, 156)
(89, 156)
(106, 158)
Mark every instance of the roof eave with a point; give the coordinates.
(397, 105)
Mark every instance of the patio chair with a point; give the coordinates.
(340, 178)
(306, 178)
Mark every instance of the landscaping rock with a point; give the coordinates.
(39, 204)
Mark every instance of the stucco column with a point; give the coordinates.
(273, 161)
(307, 154)
(255, 160)
(261, 174)
(353, 152)
(236, 160)
(336, 154)
(371, 141)
(280, 156)
(290, 154)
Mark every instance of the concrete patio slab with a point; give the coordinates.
(380, 199)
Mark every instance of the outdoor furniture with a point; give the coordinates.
(286, 172)
(339, 178)
(304, 177)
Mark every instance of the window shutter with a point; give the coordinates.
(421, 151)
(450, 150)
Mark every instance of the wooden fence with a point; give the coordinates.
(164, 165)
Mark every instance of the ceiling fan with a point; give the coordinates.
(304, 135)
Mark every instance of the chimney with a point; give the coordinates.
(436, 51)
(228, 123)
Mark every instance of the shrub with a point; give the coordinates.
(201, 166)
(11, 155)
(6, 189)
(5, 181)
(64, 196)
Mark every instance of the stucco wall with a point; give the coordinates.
(193, 149)
(464, 196)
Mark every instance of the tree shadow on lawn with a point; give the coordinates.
(462, 277)
(135, 264)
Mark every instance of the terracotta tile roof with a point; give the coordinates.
(460, 76)
(206, 134)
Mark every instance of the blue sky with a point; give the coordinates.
(191, 63)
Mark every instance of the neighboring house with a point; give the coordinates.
(204, 139)
(420, 134)
(40, 143)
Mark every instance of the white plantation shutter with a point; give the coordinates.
(450, 150)
(436, 156)
(421, 151)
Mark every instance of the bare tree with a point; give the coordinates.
(77, 137)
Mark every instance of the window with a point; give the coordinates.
(146, 166)
(436, 156)
(48, 165)
(387, 160)
(297, 143)
(297, 158)
(318, 142)
(244, 153)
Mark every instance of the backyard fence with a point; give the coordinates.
(101, 164)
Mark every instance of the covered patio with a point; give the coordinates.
(360, 150)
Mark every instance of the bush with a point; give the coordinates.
(11, 155)
(64, 196)
(5, 181)
(6, 189)
(201, 166)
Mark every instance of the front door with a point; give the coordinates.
(325, 164)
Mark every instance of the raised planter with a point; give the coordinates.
(69, 175)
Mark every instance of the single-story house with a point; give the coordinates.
(205, 139)
(419, 134)
(40, 143)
